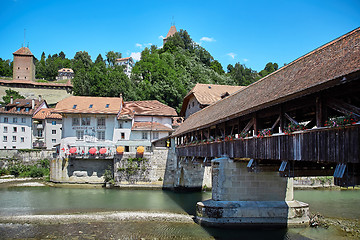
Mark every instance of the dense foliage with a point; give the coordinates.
(6, 68)
(39, 169)
(165, 74)
(11, 93)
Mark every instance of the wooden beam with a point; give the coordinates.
(248, 126)
(291, 119)
(343, 107)
(276, 123)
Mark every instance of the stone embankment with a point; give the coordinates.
(98, 217)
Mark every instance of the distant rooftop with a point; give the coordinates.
(23, 51)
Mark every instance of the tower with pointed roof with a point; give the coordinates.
(24, 65)
(171, 33)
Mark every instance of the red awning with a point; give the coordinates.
(73, 150)
(102, 150)
(92, 150)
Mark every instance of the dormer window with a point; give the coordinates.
(18, 109)
(27, 109)
(107, 105)
(74, 107)
(90, 106)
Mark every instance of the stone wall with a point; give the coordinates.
(52, 96)
(26, 157)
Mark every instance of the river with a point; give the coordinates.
(53, 201)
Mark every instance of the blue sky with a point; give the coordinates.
(250, 32)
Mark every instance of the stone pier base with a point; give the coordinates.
(252, 213)
(244, 198)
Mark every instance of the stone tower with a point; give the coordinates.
(24, 65)
(171, 32)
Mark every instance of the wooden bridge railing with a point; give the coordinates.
(336, 145)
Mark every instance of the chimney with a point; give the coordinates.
(11, 99)
(39, 98)
(32, 103)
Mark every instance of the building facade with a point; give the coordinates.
(16, 123)
(65, 74)
(203, 95)
(24, 65)
(101, 122)
(128, 64)
(47, 129)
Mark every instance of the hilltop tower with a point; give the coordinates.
(171, 32)
(24, 65)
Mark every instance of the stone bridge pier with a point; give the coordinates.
(243, 198)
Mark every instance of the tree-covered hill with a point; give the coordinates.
(165, 74)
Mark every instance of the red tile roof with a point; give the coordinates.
(23, 51)
(23, 104)
(123, 59)
(81, 104)
(146, 108)
(207, 94)
(46, 113)
(153, 126)
(313, 72)
(171, 32)
(66, 70)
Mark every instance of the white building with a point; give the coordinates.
(47, 129)
(16, 123)
(104, 122)
(128, 64)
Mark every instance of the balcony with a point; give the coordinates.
(39, 144)
(334, 145)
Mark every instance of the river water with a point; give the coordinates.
(20, 201)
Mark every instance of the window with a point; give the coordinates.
(23, 129)
(53, 123)
(90, 106)
(189, 106)
(23, 120)
(6, 120)
(101, 121)
(14, 139)
(120, 125)
(107, 105)
(39, 132)
(15, 120)
(14, 147)
(75, 122)
(14, 129)
(5, 139)
(5, 129)
(22, 139)
(18, 109)
(80, 135)
(27, 109)
(155, 135)
(101, 135)
(53, 131)
(193, 104)
(53, 140)
(127, 149)
(85, 121)
(144, 135)
(74, 107)
(122, 135)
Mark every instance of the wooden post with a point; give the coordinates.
(256, 124)
(319, 112)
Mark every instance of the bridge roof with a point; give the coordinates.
(322, 68)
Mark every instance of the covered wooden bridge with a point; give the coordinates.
(302, 120)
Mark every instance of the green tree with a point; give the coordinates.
(82, 60)
(99, 59)
(111, 57)
(6, 68)
(11, 93)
